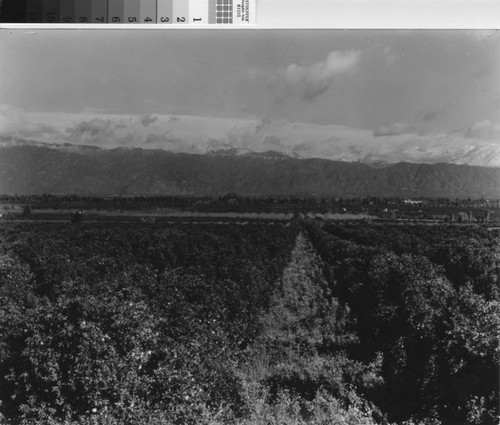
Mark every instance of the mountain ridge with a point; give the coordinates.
(33, 167)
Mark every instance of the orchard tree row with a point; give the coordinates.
(317, 323)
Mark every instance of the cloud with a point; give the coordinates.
(392, 130)
(485, 130)
(95, 130)
(309, 81)
(272, 141)
(13, 122)
(262, 124)
(112, 131)
(36, 130)
(148, 119)
(161, 139)
(426, 116)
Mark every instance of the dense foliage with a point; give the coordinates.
(310, 323)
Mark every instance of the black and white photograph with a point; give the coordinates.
(249, 226)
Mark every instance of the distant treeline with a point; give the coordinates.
(236, 202)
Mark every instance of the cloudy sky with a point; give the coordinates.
(154, 88)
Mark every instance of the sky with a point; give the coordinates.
(131, 88)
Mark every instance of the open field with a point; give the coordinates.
(228, 209)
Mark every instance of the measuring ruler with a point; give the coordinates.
(189, 12)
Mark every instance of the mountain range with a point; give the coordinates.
(30, 167)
